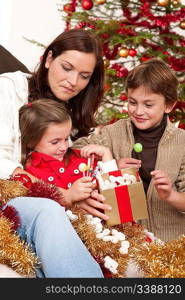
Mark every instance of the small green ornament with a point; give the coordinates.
(138, 147)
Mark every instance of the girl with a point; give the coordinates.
(46, 153)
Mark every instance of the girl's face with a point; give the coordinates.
(55, 140)
(69, 73)
(145, 108)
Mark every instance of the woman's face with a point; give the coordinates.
(145, 108)
(69, 73)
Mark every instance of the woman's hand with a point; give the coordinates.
(128, 163)
(101, 152)
(95, 205)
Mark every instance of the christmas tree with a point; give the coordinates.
(132, 32)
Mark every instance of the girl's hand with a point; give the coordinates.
(128, 163)
(80, 190)
(95, 205)
(162, 184)
(102, 152)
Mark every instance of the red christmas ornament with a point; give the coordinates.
(120, 70)
(123, 72)
(110, 54)
(24, 179)
(123, 97)
(69, 8)
(87, 4)
(178, 64)
(132, 52)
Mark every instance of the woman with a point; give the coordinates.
(71, 70)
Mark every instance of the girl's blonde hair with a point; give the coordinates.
(34, 119)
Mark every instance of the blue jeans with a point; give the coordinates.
(47, 229)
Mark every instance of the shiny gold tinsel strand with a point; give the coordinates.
(99, 248)
(155, 259)
(162, 260)
(14, 252)
(11, 189)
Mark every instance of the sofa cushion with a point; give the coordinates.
(9, 63)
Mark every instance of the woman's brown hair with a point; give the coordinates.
(84, 105)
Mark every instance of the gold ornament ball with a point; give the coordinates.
(123, 52)
(99, 2)
(162, 2)
(176, 2)
(182, 24)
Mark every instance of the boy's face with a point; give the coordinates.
(145, 108)
(55, 140)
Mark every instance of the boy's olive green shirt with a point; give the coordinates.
(165, 221)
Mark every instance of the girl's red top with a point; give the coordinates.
(53, 171)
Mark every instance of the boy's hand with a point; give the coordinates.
(162, 184)
(101, 152)
(127, 162)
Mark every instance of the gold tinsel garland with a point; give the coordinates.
(14, 252)
(99, 249)
(162, 260)
(11, 189)
(153, 259)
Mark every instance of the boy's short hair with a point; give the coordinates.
(156, 76)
